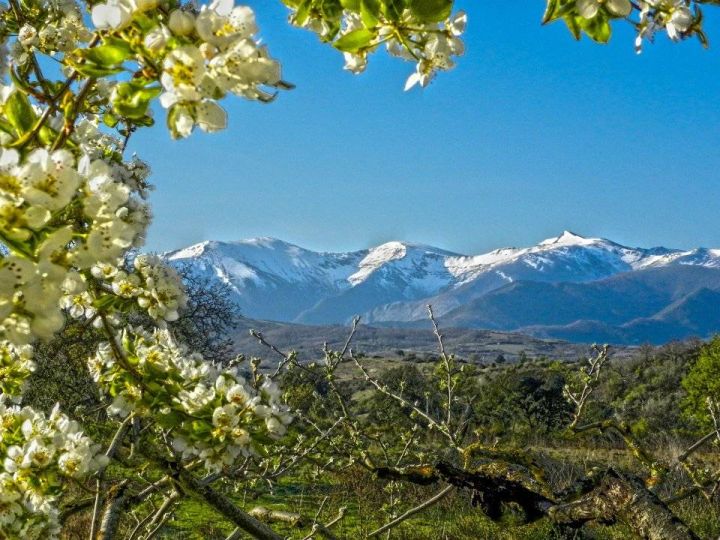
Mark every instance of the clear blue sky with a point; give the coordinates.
(532, 133)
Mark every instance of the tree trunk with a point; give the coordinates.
(624, 498)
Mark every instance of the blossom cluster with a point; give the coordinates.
(674, 16)
(36, 452)
(16, 365)
(430, 43)
(679, 19)
(156, 287)
(151, 284)
(51, 26)
(210, 411)
(215, 53)
(56, 215)
(203, 54)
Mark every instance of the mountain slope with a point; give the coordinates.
(655, 305)
(565, 286)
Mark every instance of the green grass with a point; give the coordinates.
(451, 519)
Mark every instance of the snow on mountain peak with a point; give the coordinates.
(569, 238)
(277, 280)
(388, 251)
(190, 252)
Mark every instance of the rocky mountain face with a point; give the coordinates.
(568, 287)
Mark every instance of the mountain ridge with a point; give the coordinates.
(390, 284)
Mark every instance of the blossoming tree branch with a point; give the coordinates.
(78, 80)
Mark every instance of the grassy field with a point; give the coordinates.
(367, 500)
(454, 518)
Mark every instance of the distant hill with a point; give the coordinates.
(477, 346)
(655, 305)
(568, 287)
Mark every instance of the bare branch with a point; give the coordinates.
(419, 508)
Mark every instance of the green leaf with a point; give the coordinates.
(331, 9)
(146, 121)
(111, 53)
(302, 13)
(558, 9)
(19, 112)
(355, 40)
(393, 9)
(370, 12)
(131, 100)
(598, 28)
(170, 420)
(6, 126)
(110, 120)
(351, 5)
(550, 11)
(93, 70)
(47, 135)
(573, 25)
(430, 11)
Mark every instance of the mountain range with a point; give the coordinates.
(568, 287)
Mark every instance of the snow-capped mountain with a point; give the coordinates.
(392, 283)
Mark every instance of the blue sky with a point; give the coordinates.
(532, 133)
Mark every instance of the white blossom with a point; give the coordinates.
(114, 14)
(589, 8)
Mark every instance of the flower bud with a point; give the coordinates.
(146, 5)
(181, 23)
(156, 39)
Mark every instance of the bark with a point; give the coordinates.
(624, 498)
(269, 516)
(227, 508)
(423, 475)
(604, 497)
(115, 501)
(492, 491)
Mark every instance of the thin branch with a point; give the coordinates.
(226, 507)
(286, 358)
(697, 445)
(419, 508)
(446, 361)
(110, 454)
(348, 341)
(324, 530)
(405, 403)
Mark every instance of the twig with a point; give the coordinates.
(446, 361)
(324, 530)
(283, 468)
(593, 377)
(159, 526)
(686, 454)
(287, 358)
(110, 453)
(405, 403)
(320, 509)
(412, 512)
(160, 515)
(235, 535)
(348, 341)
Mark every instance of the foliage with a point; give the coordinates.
(702, 385)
